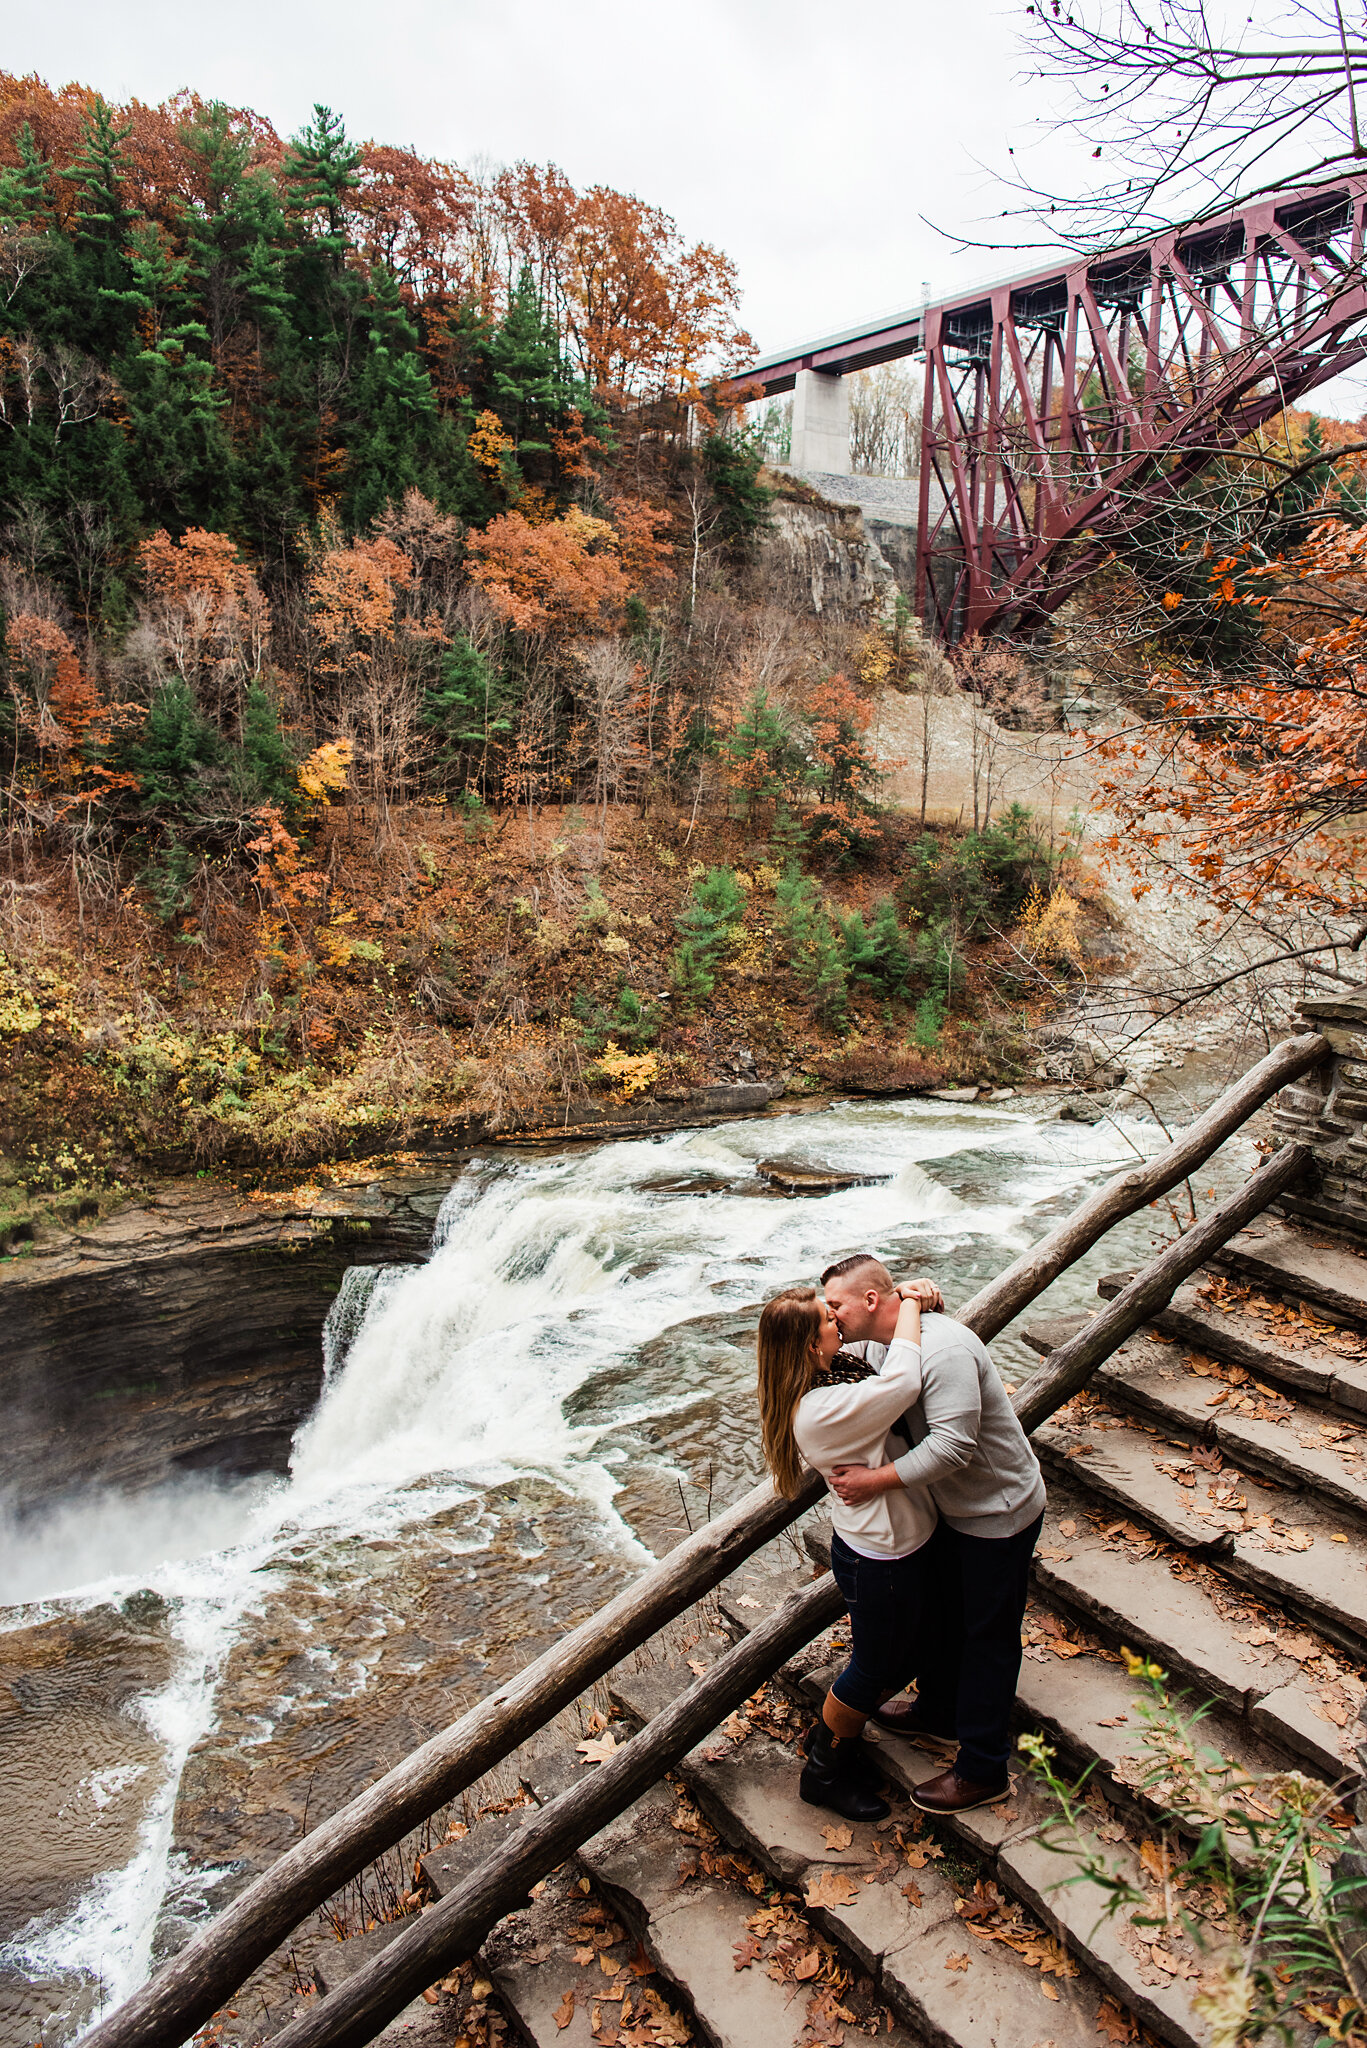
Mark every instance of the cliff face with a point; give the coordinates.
(184, 1332)
(820, 558)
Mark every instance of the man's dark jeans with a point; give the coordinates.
(969, 1654)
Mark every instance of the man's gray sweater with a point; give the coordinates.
(967, 1445)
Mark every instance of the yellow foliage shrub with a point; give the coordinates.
(1049, 926)
(325, 769)
(635, 1072)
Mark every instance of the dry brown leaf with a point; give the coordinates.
(745, 1951)
(1049, 1990)
(956, 1962)
(564, 2012)
(600, 1750)
(1067, 1528)
(838, 1838)
(583, 1956)
(832, 1888)
(911, 1892)
(807, 1965)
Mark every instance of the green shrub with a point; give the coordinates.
(815, 952)
(168, 877)
(176, 747)
(979, 881)
(877, 953)
(632, 1023)
(706, 924)
(265, 766)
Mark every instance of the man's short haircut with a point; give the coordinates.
(871, 1271)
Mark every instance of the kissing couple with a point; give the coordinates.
(938, 1502)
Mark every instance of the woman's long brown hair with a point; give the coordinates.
(788, 1329)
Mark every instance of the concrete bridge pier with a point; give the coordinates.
(821, 423)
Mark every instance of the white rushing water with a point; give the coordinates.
(548, 1276)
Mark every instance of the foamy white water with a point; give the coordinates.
(441, 1381)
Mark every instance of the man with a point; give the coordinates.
(970, 1450)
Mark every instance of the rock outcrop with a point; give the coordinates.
(184, 1331)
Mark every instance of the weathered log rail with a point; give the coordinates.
(164, 2012)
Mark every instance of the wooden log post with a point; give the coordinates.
(166, 2010)
(445, 1934)
(993, 1306)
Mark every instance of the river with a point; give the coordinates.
(504, 1435)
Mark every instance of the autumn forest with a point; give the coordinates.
(410, 715)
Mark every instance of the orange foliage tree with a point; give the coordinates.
(208, 613)
(1256, 785)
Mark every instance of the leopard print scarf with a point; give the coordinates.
(845, 1370)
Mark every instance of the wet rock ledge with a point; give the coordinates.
(184, 1332)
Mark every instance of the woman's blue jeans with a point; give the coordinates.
(886, 1598)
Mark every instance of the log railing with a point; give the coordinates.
(166, 2010)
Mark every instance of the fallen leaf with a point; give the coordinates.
(911, 1892)
(607, 1965)
(1049, 1990)
(1054, 1556)
(697, 1667)
(807, 1965)
(832, 1888)
(838, 1838)
(432, 1996)
(1336, 1538)
(1114, 1721)
(956, 1962)
(1207, 1457)
(599, 1751)
(1153, 1860)
(1061, 1648)
(1067, 1528)
(1161, 1960)
(1299, 1647)
(564, 2012)
(745, 1951)
(583, 1956)
(746, 1601)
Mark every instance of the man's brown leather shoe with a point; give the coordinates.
(949, 1793)
(904, 1720)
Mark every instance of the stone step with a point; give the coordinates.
(1221, 1326)
(890, 1905)
(1301, 1265)
(1254, 1427)
(698, 1930)
(1084, 1710)
(1289, 1548)
(1268, 1338)
(1287, 1686)
(559, 1970)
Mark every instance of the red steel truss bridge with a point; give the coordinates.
(1064, 407)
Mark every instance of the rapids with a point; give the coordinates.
(504, 1434)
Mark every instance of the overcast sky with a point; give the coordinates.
(814, 143)
(806, 140)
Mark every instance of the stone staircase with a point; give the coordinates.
(1208, 1508)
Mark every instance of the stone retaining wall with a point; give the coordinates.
(1327, 1110)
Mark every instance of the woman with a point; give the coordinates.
(828, 1408)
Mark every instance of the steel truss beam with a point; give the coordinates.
(1065, 407)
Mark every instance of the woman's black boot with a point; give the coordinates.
(835, 1777)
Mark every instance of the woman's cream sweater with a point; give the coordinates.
(848, 1425)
